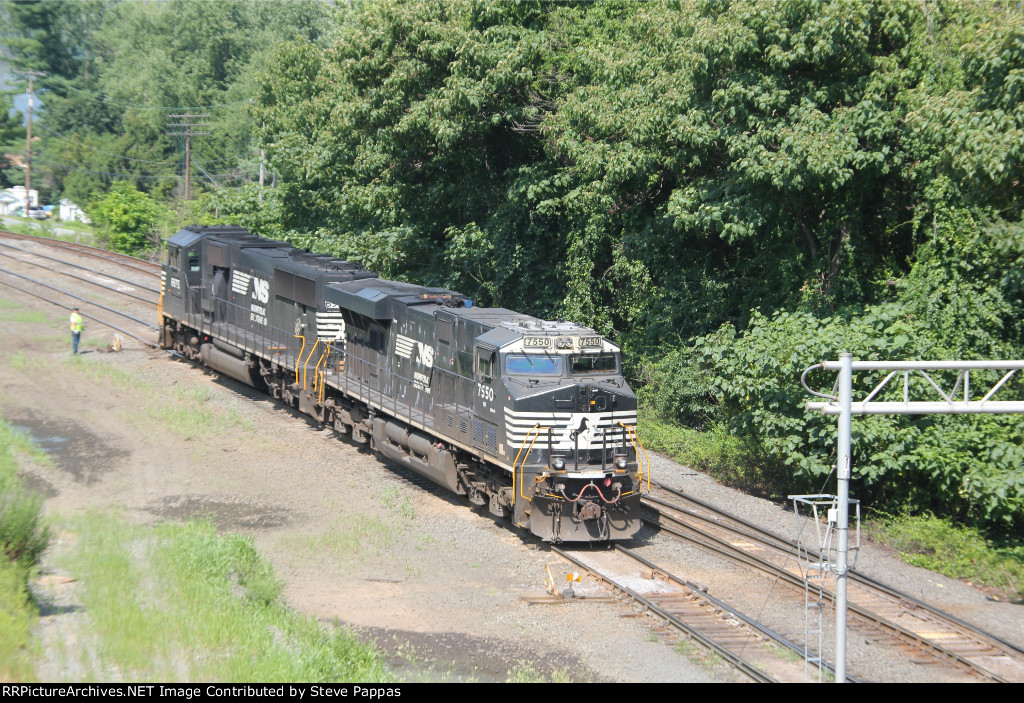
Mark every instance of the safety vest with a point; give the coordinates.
(76, 322)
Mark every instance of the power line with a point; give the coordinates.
(205, 173)
(78, 143)
(76, 140)
(116, 174)
(107, 99)
(188, 124)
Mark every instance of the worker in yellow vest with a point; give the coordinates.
(76, 329)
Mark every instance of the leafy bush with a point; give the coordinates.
(126, 218)
(677, 389)
(965, 467)
(23, 537)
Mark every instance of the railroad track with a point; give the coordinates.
(757, 652)
(895, 618)
(147, 267)
(113, 318)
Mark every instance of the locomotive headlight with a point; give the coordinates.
(620, 463)
(564, 343)
(558, 464)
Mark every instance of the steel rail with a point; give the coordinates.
(84, 279)
(735, 660)
(77, 266)
(140, 265)
(91, 317)
(76, 297)
(763, 629)
(727, 550)
(857, 577)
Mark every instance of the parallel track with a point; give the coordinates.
(901, 617)
(681, 605)
(131, 262)
(31, 286)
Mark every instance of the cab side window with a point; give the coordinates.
(485, 363)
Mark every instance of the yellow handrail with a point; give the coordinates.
(305, 364)
(634, 437)
(535, 432)
(318, 375)
(299, 359)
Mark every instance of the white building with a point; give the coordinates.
(13, 198)
(70, 212)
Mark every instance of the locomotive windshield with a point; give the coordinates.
(594, 363)
(534, 364)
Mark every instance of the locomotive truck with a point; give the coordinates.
(530, 419)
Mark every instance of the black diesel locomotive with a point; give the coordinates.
(529, 418)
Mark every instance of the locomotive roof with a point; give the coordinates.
(374, 297)
(286, 256)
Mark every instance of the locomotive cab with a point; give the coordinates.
(571, 415)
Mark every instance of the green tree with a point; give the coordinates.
(126, 218)
(12, 136)
(116, 72)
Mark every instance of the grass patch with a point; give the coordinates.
(185, 412)
(182, 603)
(360, 533)
(707, 659)
(397, 504)
(18, 616)
(27, 316)
(525, 673)
(350, 535)
(23, 537)
(958, 552)
(46, 229)
(729, 459)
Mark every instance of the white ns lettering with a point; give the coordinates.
(261, 289)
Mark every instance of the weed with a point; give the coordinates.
(28, 316)
(187, 412)
(728, 458)
(23, 537)
(17, 618)
(708, 659)
(955, 551)
(525, 673)
(349, 536)
(19, 362)
(398, 504)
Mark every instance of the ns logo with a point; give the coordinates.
(261, 290)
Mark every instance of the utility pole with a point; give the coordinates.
(28, 140)
(188, 124)
(262, 157)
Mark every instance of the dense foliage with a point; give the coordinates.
(118, 76)
(732, 190)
